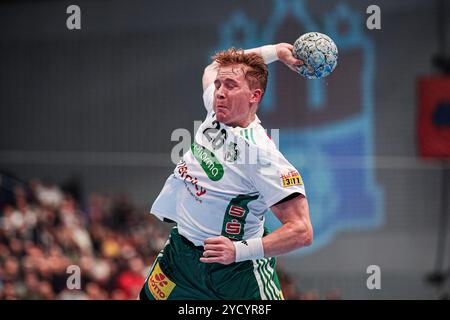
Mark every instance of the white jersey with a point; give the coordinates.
(226, 182)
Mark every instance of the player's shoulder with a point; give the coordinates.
(260, 137)
(261, 146)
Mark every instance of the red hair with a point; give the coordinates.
(256, 72)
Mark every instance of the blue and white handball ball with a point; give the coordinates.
(319, 54)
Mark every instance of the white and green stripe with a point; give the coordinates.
(248, 134)
(271, 273)
(259, 280)
(264, 274)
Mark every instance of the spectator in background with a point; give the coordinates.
(48, 195)
(44, 230)
(130, 280)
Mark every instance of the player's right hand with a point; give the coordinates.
(285, 55)
(219, 250)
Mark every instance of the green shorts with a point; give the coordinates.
(178, 274)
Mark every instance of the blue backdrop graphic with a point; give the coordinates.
(335, 156)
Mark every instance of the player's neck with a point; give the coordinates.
(244, 123)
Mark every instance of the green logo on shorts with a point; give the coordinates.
(212, 167)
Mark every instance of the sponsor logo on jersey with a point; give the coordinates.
(159, 284)
(208, 161)
(236, 211)
(235, 216)
(292, 178)
(232, 152)
(183, 171)
(233, 227)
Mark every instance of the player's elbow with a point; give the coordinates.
(304, 233)
(308, 238)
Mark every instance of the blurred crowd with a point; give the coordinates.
(109, 243)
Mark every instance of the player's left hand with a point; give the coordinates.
(284, 53)
(219, 249)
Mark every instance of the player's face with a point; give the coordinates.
(232, 97)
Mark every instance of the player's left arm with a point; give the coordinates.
(296, 232)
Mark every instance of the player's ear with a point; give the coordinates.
(256, 96)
